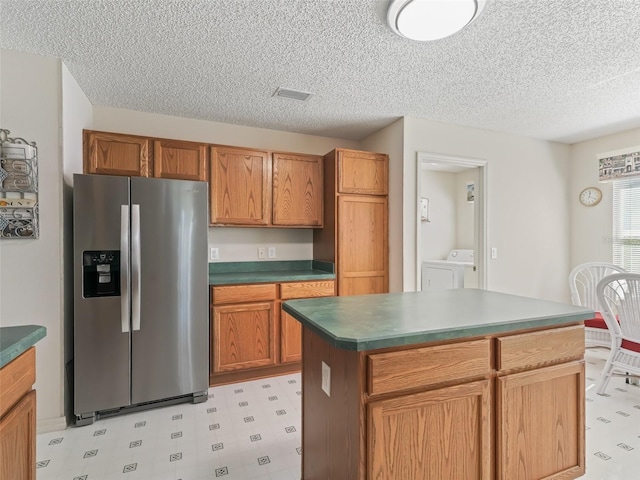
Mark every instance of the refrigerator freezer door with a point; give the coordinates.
(170, 351)
(101, 348)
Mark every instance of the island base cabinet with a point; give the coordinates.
(540, 414)
(439, 434)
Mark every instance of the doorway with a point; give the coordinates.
(452, 213)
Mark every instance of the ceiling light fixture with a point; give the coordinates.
(425, 20)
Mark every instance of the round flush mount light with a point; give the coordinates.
(425, 20)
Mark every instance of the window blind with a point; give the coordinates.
(626, 224)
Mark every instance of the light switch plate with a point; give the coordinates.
(326, 379)
(214, 253)
(271, 252)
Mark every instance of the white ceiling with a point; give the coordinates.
(564, 70)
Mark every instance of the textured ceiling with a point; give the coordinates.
(564, 70)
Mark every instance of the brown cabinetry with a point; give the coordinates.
(18, 418)
(251, 336)
(356, 232)
(290, 328)
(258, 188)
(363, 173)
(496, 407)
(135, 156)
(117, 154)
(541, 402)
(239, 187)
(297, 190)
(180, 160)
(243, 327)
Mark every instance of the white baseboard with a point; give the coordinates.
(51, 425)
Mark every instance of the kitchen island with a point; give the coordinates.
(455, 384)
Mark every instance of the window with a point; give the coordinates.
(626, 224)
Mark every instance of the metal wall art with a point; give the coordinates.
(18, 187)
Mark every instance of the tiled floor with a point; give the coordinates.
(251, 430)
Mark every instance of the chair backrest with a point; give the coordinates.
(619, 296)
(583, 281)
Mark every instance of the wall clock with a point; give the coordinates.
(590, 196)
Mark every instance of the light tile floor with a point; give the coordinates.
(251, 430)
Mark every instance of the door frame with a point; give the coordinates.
(480, 211)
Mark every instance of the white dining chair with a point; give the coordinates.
(583, 281)
(619, 296)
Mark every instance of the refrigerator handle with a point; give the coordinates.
(135, 266)
(124, 268)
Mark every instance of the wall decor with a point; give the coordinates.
(471, 192)
(619, 164)
(18, 187)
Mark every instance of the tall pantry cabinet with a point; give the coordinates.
(356, 230)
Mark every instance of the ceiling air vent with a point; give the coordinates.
(293, 94)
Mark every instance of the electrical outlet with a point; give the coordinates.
(271, 252)
(494, 252)
(261, 252)
(326, 379)
(214, 254)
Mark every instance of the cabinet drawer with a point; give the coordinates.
(418, 367)
(529, 350)
(16, 379)
(243, 293)
(289, 291)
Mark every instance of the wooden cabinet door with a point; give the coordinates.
(438, 434)
(540, 419)
(363, 238)
(243, 336)
(297, 190)
(18, 440)
(239, 187)
(116, 154)
(363, 172)
(290, 328)
(180, 160)
(290, 338)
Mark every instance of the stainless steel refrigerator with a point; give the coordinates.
(141, 319)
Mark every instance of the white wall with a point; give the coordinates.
(591, 227)
(31, 287)
(528, 205)
(465, 221)
(390, 140)
(234, 244)
(438, 237)
(77, 113)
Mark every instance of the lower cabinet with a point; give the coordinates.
(415, 436)
(243, 336)
(251, 336)
(547, 403)
(505, 407)
(18, 418)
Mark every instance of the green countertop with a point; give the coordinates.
(272, 271)
(14, 341)
(369, 322)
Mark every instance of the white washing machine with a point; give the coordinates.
(449, 273)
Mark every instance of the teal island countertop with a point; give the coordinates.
(231, 273)
(14, 341)
(368, 322)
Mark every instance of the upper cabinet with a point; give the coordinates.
(239, 187)
(297, 190)
(180, 160)
(116, 154)
(363, 173)
(247, 187)
(259, 188)
(135, 156)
